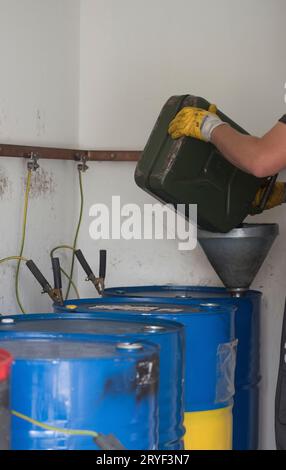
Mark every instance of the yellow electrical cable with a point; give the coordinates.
(10, 258)
(61, 247)
(72, 283)
(77, 231)
(23, 239)
(72, 432)
(24, 225)
(21, 258)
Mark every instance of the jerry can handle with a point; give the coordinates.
(266, 194)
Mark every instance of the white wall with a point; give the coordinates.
(39, 80)
(134, 55)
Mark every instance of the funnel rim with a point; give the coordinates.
(263, 230)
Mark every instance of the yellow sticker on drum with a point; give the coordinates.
(71, 307)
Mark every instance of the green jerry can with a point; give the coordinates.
(190, 171)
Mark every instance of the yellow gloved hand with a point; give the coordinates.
(276, 198)
(195, 122)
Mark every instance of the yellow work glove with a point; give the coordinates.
(195, 122)
(276, 198)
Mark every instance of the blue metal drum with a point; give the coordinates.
(169, 336)
(210, 347)
(206, 329)
(67, 388)
(247, 328)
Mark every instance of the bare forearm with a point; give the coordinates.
(258, 156)
(264, 156)
(239, 149)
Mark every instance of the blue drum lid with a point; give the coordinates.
(87, 323)
(143, 308)
(38, 347)
(173, 291)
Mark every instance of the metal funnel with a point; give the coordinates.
(237, 256)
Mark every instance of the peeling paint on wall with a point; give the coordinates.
(42, 183)
(5, 185)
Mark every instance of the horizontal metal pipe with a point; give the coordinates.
(24, 151)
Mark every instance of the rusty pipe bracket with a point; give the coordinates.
(32, 163)
(82, 158)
